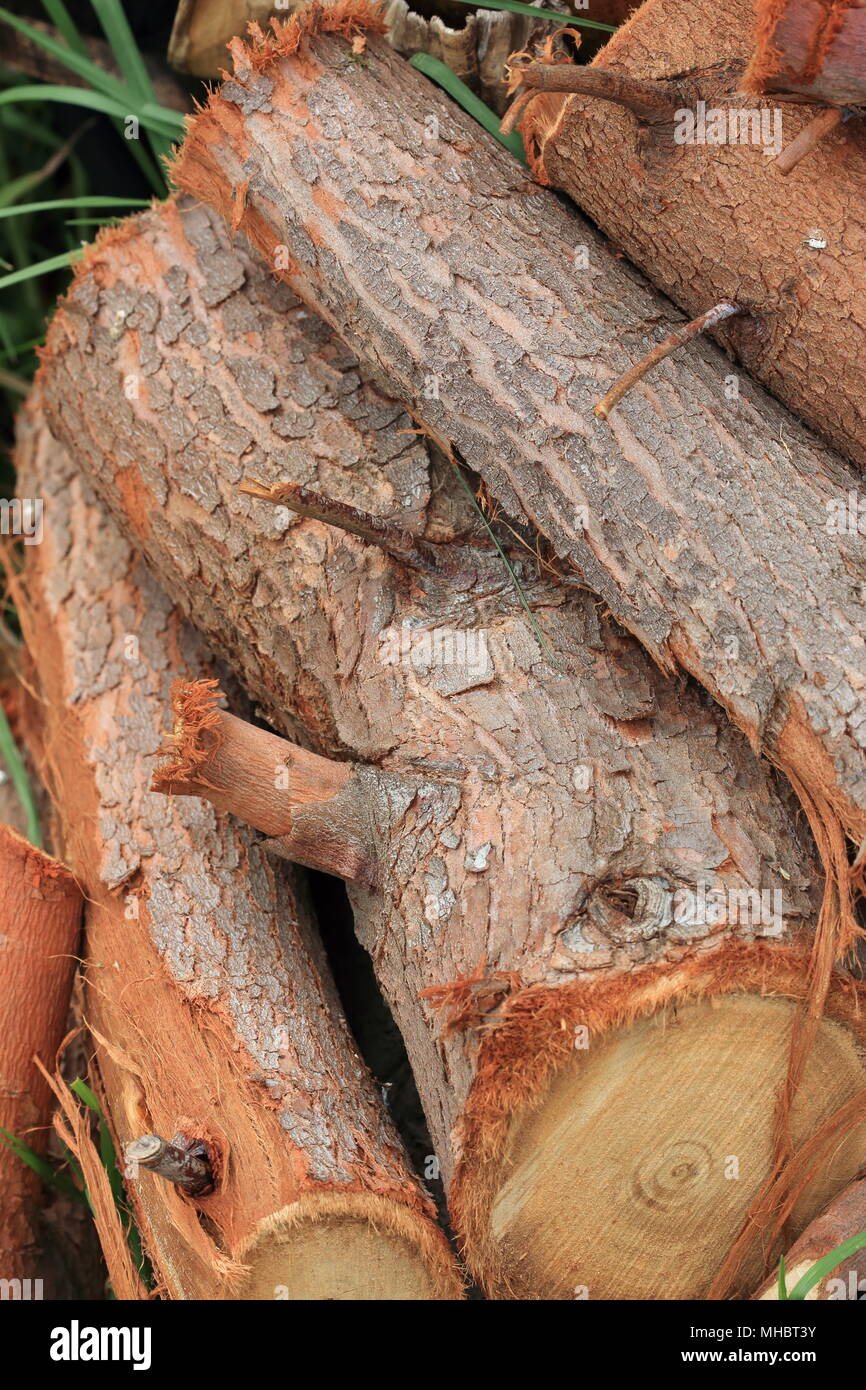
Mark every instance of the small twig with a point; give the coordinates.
(713, 316)
(427, 557)
(311, 808)
(650, 101)
(810, 136)
(399, 543)
(183, 1161)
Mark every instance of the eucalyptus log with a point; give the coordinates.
(713, 526)
(210, 1003)
(695, 199)
(563, 843)
(816, 48)
(40, 912)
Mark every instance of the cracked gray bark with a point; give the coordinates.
(210, 1002)
(704, 523)
(532, 822)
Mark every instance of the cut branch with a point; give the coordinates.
(312, 808)
(208, 998)
(683, 335)
(540, 820)
(649, 101)
(808, 140)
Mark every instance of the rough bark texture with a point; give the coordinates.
(208, 998)
(813, 47)
(700, 520)
(844, 1218)
(531, 820)
(712, 221)
(40, 912)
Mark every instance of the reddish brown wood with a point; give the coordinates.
(816, 48)
(40, 920)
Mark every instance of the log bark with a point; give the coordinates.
(845, 1217)
(531, 821)
(209, 1000)
(40, 911)
(815, 48)
(700, 515)
(695, 202)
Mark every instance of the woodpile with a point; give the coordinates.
(365, 553)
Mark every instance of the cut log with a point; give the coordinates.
(816, 48)
(531, 823)
(209, 1001)
(40, 912)
(844, 1218)
(695, 201)
(712, 525)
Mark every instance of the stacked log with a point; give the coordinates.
(205, 990)
(657, 142)
(529, 812)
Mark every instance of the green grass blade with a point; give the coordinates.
(52, 204)
(65, 26)
(70, 96)
(161, 118)
(783, 1288)
(94, 75)
(128, 57)
(50, 1176)
(150, 116)
(30, 272)
(451, 83)
(515, 7)
(826, 1265)
(123, 46)
(14, 764)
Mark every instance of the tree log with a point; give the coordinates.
(40, 909)
(816, 48)
(531, 822)
(209, 1001)
(845, 1217)
(702, 520)
(697, 204)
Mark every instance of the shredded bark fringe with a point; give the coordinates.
(195, 737)
(348, 19)
(769, 68)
